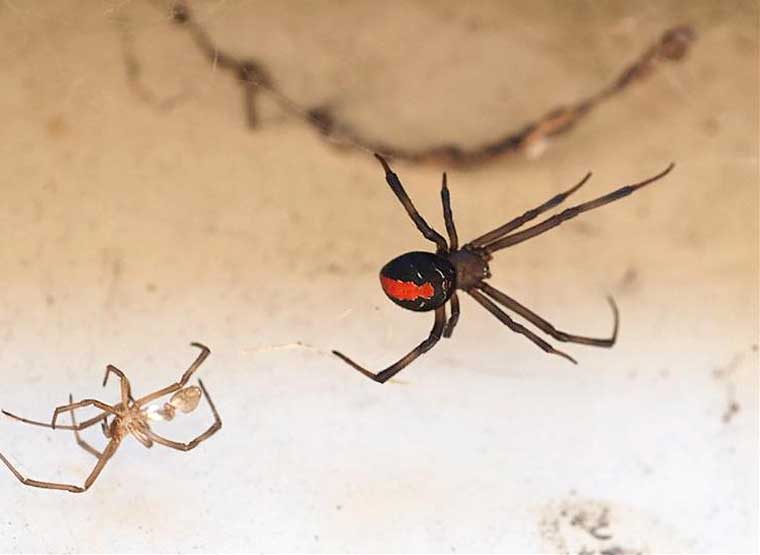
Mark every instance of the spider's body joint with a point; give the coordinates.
(471, 266)
(133, 422)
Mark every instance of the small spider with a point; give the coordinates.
(130, 416)
(423, 281)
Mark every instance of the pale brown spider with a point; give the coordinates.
(130, 416)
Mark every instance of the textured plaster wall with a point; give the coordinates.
(136, 219)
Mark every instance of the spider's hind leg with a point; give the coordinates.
(491, 307)
(102, 460)
(546, 327)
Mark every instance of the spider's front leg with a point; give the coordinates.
(527, 216)
(86, 403)
(448, 215)
(570, 213)
(451, 229)
(126, 389)
(393, 369)
(81, 426)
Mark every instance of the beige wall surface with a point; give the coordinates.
(140, 213)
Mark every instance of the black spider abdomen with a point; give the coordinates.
(419, 281)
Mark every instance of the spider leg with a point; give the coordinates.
(429, 233)
(192, 444)
(528, 216)
(126, 389)
(395, 368)
(454, 318)
(82, 426)
(451, 229)
(85, 403)
(570, 213)
(448, 216)
(82, 443)
(102, 460)
(514, 326)
(546, 327)
(205, 351)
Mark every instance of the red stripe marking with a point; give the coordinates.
(406, 290)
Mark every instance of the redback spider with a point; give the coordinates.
(130, 416)
(423, 281)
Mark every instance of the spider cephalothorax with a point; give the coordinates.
(425, 281)
(128, 417)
